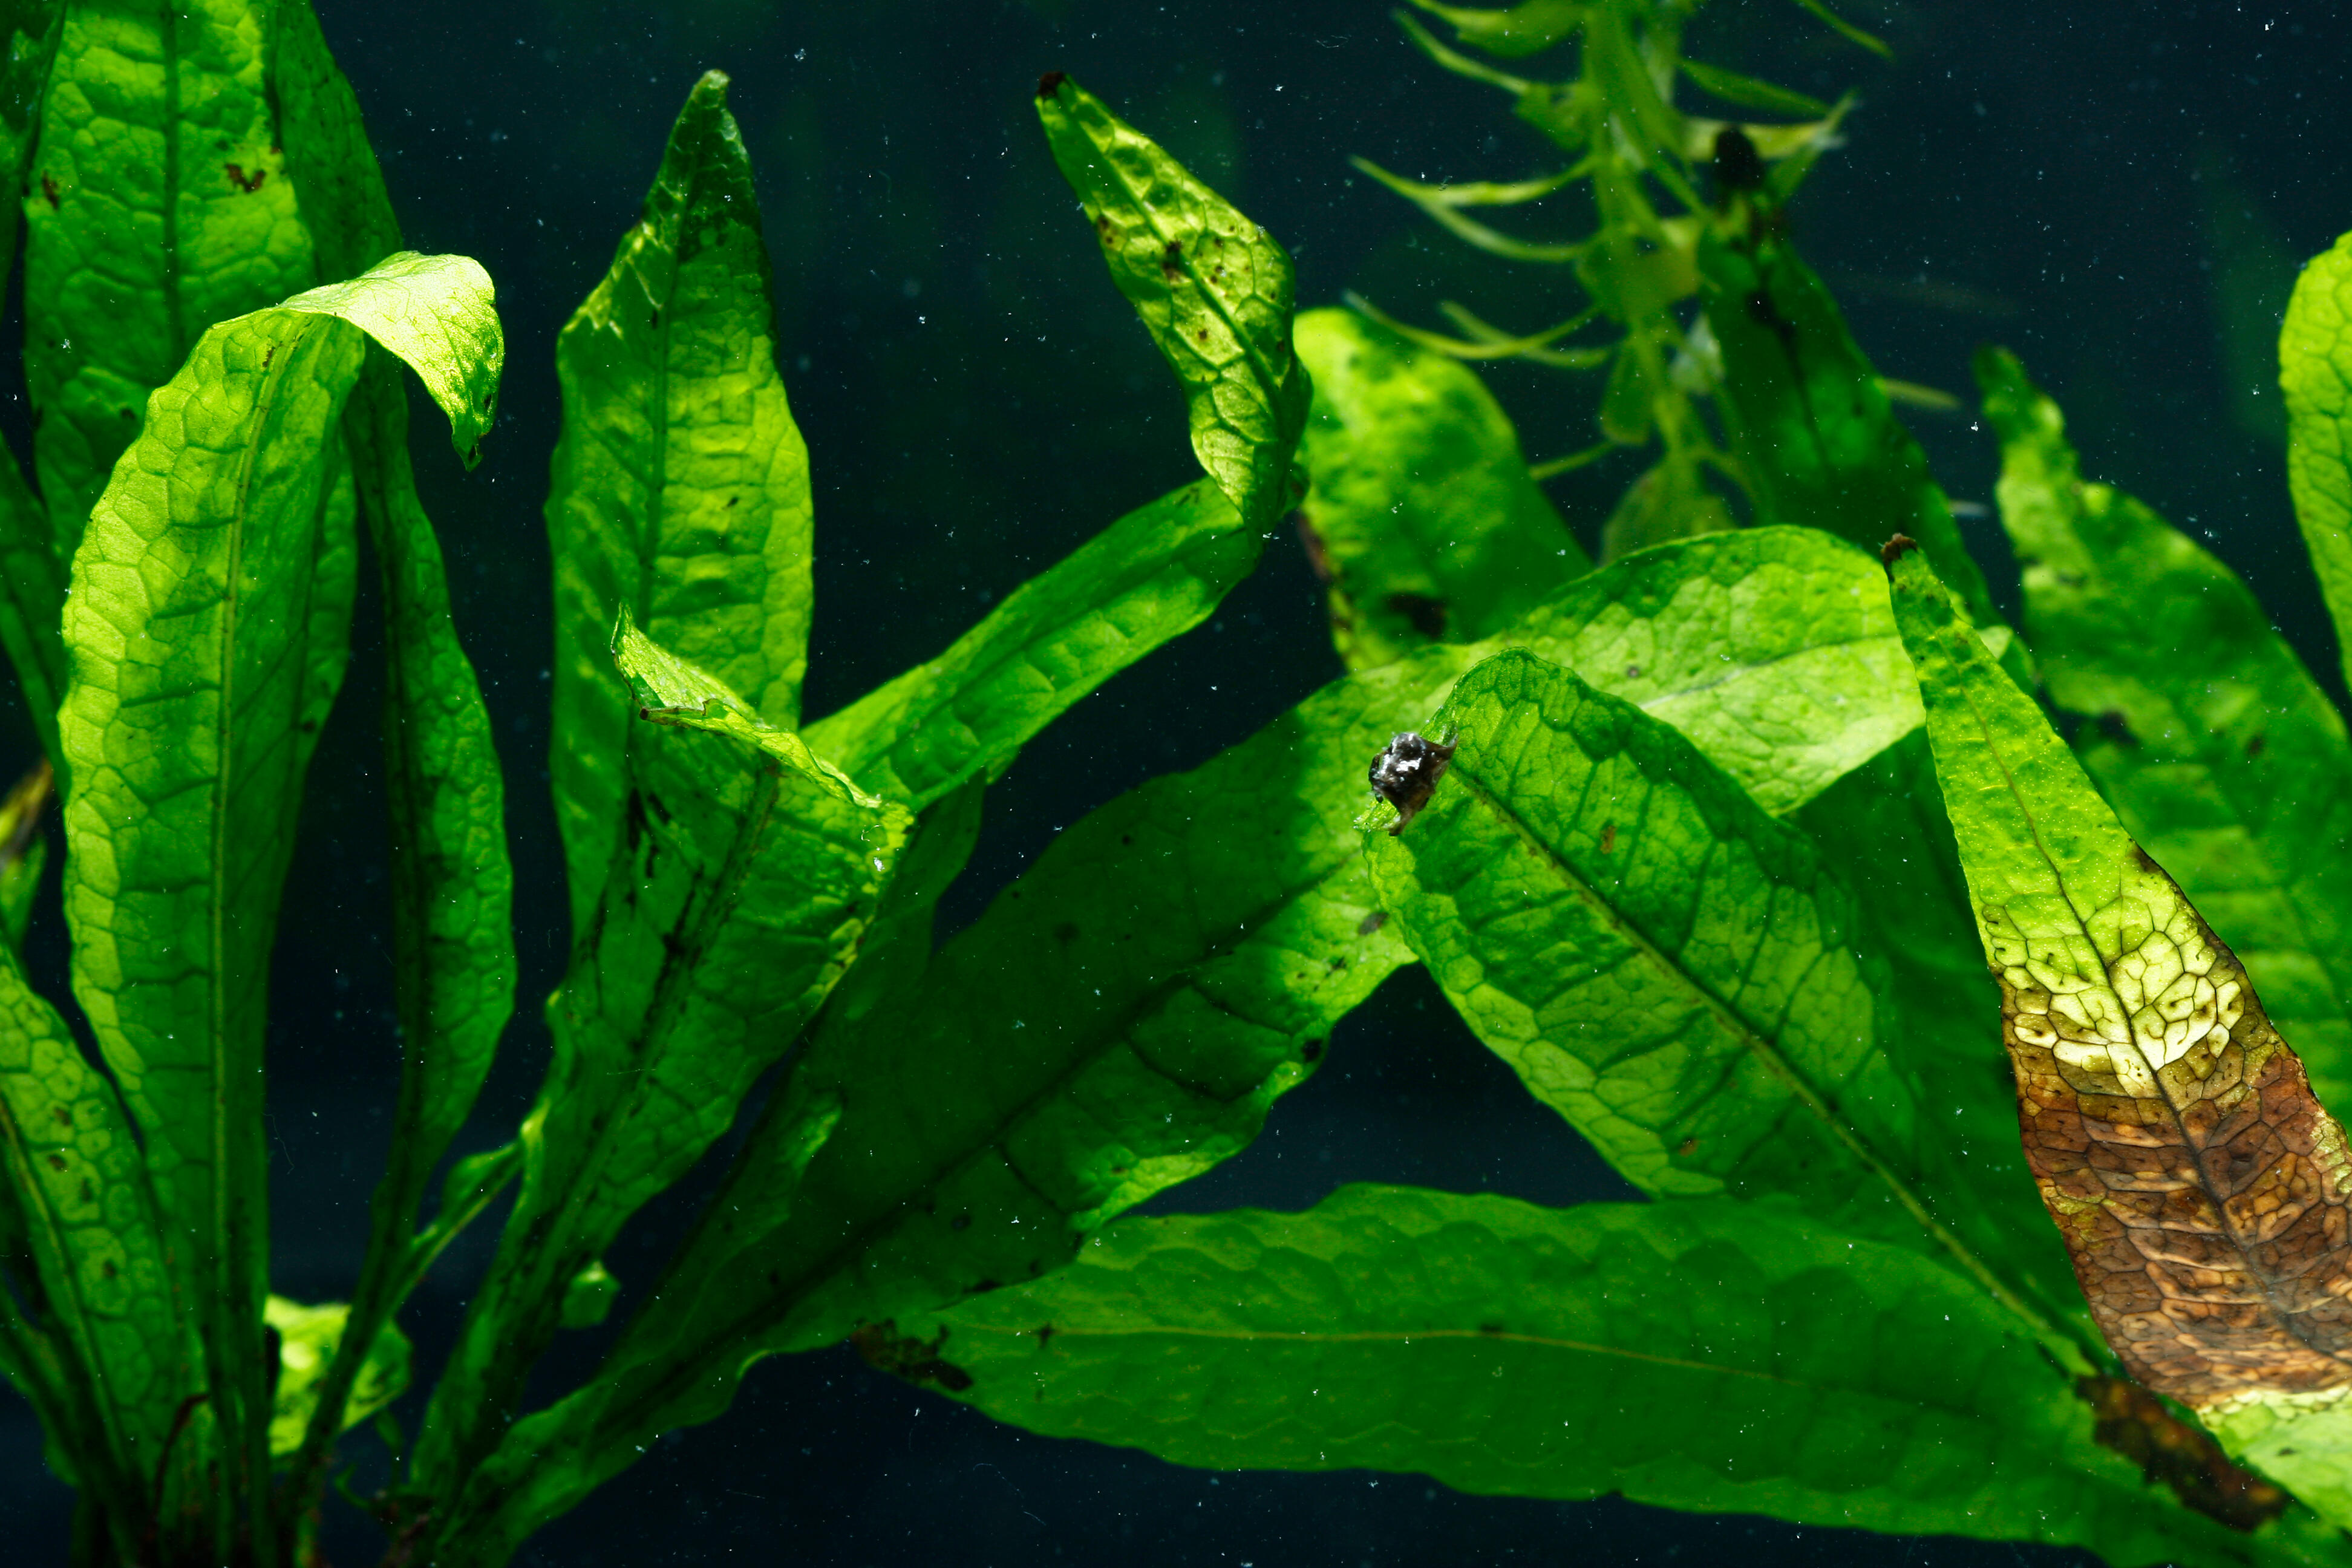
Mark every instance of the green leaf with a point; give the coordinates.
(1659, 961)
(1734, 88)
(1816, 438)
(681, 490)
(1636, 100)
(1706, 1355)
(1420, 509)
(588, 1299)
(203, 632)
(1772, 648)
(1526, 28)
(307, 1340)
(1151, 576)
(1213, 289)
(328, 159)
(1046, 1107)
(2175, 1138)
(2215, 746)
(1232, 990)
(2316, 372)
(158, 205)
(118, 1357)
(748, 873)
(1882, 829)
(438, 314)
(452, 884)
(453, 942)
(1847, 29)
(1671, 501)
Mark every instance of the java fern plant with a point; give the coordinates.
(1687, 869)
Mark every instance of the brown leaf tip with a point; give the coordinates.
(1896, 548)
(1050, 84)
(2136, 1425)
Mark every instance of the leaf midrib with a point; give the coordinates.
(1406, 1336)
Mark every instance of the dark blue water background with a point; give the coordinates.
(2119, 192)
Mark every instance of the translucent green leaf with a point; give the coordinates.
(307, 1338)
(452, 884)
(158, 205)
(1528, 27)
(2316, 372)
(120, 1357)
(1706, 1355)
(437, 314)
(2171, 1129)
(1213, 289)
(2215, 746)
(747, 872)
(206, 617)
(1050, 1107)
(680, 489)
(1772, 648)
(1816, 438)
(1422, 512)
(1150, 576)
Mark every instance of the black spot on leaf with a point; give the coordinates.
(1424, 613)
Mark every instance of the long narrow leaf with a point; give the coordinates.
(681, 490)
(1150, 576)
(2194, 1177)
(747, 872)
(197, 644)
(1705, 1355)
(1817, 439)
(2216, 747)
(158, 205)
(123, 1358)
(32, 578)
(1213, 289)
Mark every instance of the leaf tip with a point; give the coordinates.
(1049, 85)
(1895, 549)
